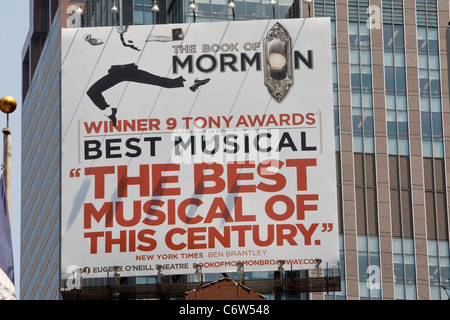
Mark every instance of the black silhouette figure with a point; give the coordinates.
(131, 45)
(131, 72)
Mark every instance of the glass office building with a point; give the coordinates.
(391, 102)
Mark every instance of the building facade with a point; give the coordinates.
(391, 107)
(40, 154)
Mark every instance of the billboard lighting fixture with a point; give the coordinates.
(231, 6)
(318, 262)
(116, 272)
(192, 7)
(78, 272)
(198, 271)
(117, 11)
(114, 9)
(160, 269)
(240, 267)
(198, 267)
(280, 265)
(155, 7)
(273, 3)
(240, 270)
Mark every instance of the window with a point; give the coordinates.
(369, 268)
(435, 200)
(400, 190)
(326, 8)
(439, 269)
(404, 269)
(143, 13)
(361, 80)
(426, 13)
(365, 191)
(429, 78)
(395, 77)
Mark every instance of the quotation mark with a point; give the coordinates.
(75, 173)
(327, 227)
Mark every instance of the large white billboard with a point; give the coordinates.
(198, 144)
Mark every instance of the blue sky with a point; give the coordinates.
(14, 26)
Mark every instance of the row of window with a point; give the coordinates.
(361, 80)
(395, 78)
(429, 90)
(404, 272)
(397, 130)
